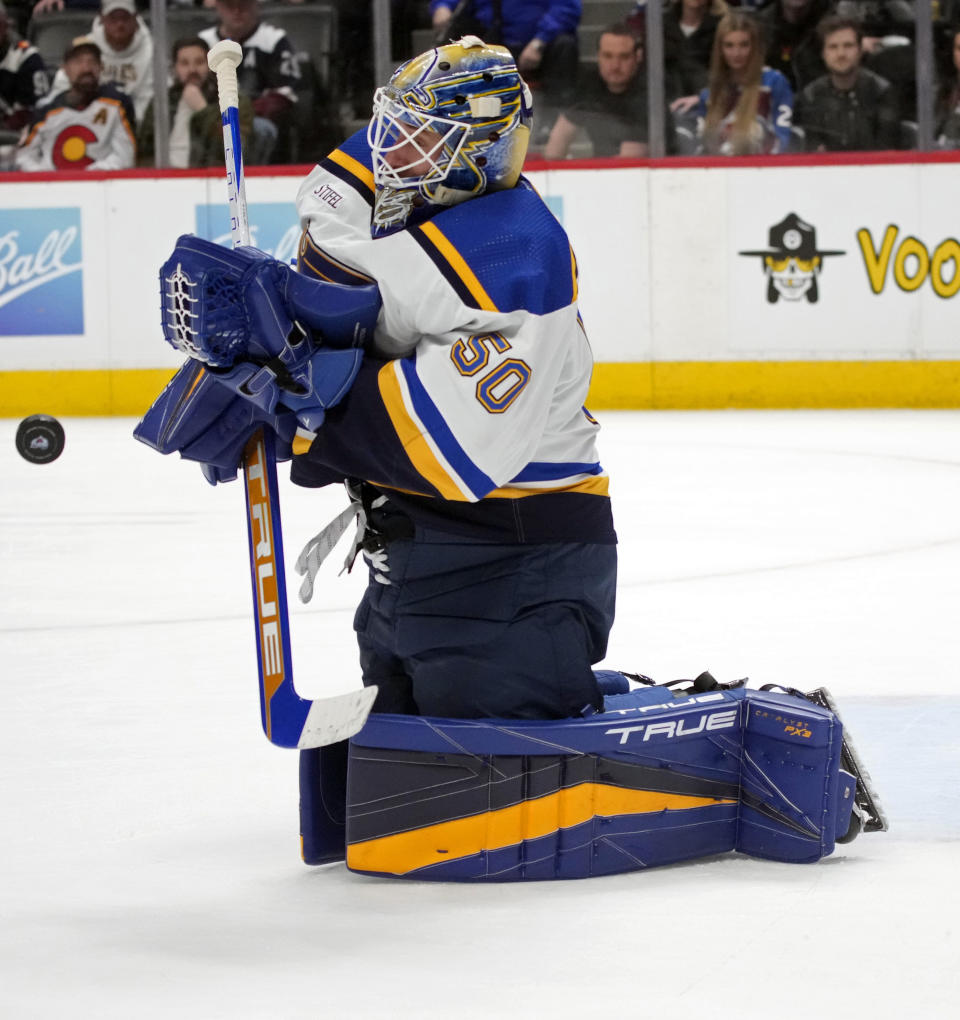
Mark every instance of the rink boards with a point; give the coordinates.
(793, 282)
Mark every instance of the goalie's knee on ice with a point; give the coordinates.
(654, 779)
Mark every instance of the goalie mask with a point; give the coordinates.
(451, 124)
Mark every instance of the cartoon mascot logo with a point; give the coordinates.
(793, 261)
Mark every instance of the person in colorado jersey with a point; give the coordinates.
(126, 53)
(747, 108)
(89, 126)
(464, 439)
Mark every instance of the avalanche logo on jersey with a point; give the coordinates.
(70, 148)
(274, 227)
(41, 272)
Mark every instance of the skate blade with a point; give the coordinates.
(866, 798)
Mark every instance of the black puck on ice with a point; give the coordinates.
(40, 439)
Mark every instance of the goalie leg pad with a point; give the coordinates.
(653, 779)
(323, 808)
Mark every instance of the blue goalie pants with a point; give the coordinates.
(467, 629)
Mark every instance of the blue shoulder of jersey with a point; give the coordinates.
(351, 163)
(776, 82)
(502, 252)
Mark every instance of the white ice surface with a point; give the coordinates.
(149, 862)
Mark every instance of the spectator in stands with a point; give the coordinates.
(196, 131)
(270, 73)
(126, 48)
(612, 105)
(747, 107)
(89, 126)
(688, 30)
(541, 35)
(947, 128)
(790, 29)
(888, 28)
(849, 109)
(23, 77)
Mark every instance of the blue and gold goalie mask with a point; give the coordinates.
(451, 124)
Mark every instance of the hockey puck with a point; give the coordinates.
(40, 439)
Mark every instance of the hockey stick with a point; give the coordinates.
(288, 720)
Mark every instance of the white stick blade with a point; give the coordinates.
(331, 720)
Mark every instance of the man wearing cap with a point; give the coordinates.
(88, 126)
(126, 49)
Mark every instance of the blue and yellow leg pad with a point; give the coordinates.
(655, 778)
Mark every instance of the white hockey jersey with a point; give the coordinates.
(130, 70)
(97, 137)
(472, 417)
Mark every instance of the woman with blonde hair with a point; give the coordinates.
(746, 108)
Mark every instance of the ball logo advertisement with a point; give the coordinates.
(41, 272)
(274, 227)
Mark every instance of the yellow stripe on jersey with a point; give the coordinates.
(411, 437)
(316, 260)
(123, 117)
(348, 163)
(302, 441)
(576, 276)
(597, 485)
(459, 266)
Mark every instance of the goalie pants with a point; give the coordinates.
(469, 630)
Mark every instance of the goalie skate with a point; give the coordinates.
(868, 814)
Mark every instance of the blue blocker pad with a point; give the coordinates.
(657, 777)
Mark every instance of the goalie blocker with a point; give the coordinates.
(659, 776)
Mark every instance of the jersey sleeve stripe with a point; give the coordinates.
(350, 171)
(39, 124)
(121, 111)
(597, 486)
(324, 266)
(575, 273)
(476, 482)
(412, 434)
(453, 266)
(545, 472)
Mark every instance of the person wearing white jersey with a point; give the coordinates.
(126, 50)
(88, 126)
(464, 436)
(431, 351)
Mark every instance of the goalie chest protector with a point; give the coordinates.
(653, 779)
